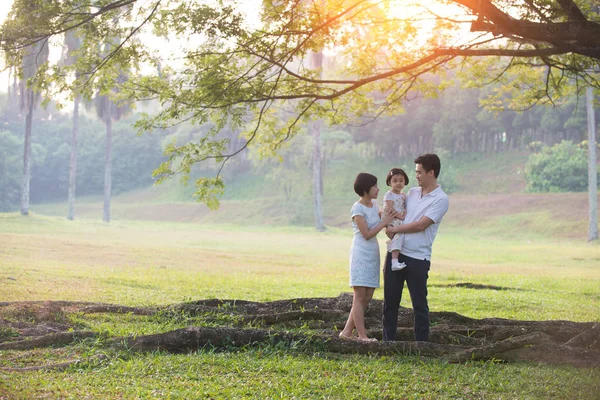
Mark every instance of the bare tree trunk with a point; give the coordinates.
(317, 63)
(73, 163)
(25, 184)
(9, 87)
(15, 86)
(108, 165)
(592, 168)
(317, 175)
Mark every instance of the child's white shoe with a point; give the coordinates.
(397, 266)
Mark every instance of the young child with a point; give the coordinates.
(396, 200)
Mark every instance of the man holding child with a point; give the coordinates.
(426, 205)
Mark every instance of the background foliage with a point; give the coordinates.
(562, 167)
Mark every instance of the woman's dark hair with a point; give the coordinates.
(363, 183)
(430, 162)
(396, 171)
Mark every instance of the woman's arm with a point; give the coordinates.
(367, 233)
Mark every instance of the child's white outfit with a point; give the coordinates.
(395, 243)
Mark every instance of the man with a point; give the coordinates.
(426, 205)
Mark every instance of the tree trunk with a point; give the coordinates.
(317, 175)
(317, 63)
(592, 168)
(9, 87)
(15, 86)
(25, 184)
(73, 163)
(108, 166)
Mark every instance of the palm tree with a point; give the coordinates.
(316, 62)
(72, 44)
(35, 55)
(108, 111)
(592, 169)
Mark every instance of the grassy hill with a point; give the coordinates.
(487, 197)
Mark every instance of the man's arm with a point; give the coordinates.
(411, 227)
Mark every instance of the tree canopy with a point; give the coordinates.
(207, 62)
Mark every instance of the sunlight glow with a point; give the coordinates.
(427, 16)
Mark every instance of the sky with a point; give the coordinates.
(5, 8)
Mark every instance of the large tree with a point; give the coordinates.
(243, 74)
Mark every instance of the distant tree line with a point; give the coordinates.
(134, 157)
(454, 123)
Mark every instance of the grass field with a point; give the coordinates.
(159, 263)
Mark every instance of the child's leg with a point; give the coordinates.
(396, 246)
(392, 244)
(400, 241)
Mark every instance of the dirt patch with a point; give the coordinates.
(236, 323)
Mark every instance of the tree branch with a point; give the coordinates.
(571, 9)
(45, 36)
(549, 51)
(577, 36)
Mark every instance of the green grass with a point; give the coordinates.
(150, 263)
(285, 374)
(139, 263)
(490, 173)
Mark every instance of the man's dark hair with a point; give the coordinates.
(430, 162)
(363, 183)
(396, 171)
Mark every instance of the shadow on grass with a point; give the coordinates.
(479, 286)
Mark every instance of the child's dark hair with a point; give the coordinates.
(396, 171)
(430, 162)
(363, 183)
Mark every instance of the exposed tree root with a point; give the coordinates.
(52, 339)
(115, 309)
(453, 337)
(589, 338)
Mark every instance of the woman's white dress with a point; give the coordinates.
(364, 254)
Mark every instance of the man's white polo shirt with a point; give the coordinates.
(433, 206)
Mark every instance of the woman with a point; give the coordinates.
(364, 253)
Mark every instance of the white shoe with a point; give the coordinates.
(397, 266)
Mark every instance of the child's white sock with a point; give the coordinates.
(396, 265)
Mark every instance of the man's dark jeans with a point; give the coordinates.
(415, 274)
